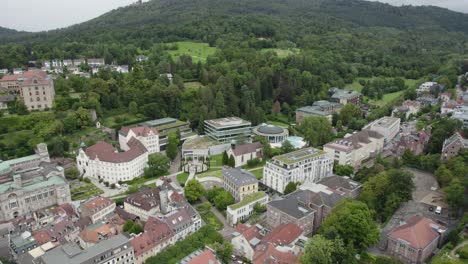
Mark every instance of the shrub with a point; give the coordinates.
(253, 162)
(87, 180)
(463, 252)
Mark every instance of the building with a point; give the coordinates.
(319, 108)
(415, 142)
(96, 62)
(354, 149)
(35, 87)
(451, 107)
(9, 167)
(117, 249)
(5, 99)
(305, 165)
(427, 99)
(146, 135)
(462, 115)
(415, 241)
(407, 108)
(242, 210)
(103, 161)
(267, 253)
(226, 130)
(239, 182)
(244, 152)
(165, 125)
(453, 145)
(97, 208)
(29, 190)
(95, 233)
(202, 147)
(246, 238)
(345, 96)
(153, 201)
(426, 87)
(206, 256)
(274, 134)
(343, 185)
(386, 126)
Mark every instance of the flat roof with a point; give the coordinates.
(314, 110)
(299, 155)
(200, 142)
(227, 122)
(159, 122)
(247, 200)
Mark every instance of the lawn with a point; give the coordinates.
(216, 160)
(182, 178)
(211, 173)
(198, 51)
(276, 123)
(212, 220)
(282, 53)
(258, 173)
(386, 98)
(356, 86)
(444, 255)
(84, 192)
(192, 85)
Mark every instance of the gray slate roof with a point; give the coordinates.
(239, 177)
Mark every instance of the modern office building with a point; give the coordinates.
(387, 126)
(305, 165)
(165, 125)
(226, 130)
(319, 108)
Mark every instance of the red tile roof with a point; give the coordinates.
(42, 237)
(156, 232)
(249, 232)
(418, 232)
(284, 234)
(92, 236)
(205, 257)
(267, 254)
(98, 203)
(106, 152)
(28, 77)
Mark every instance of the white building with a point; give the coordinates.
(462, 115)
(146, 135)
(355, 148)
(245, 152)
(226, 130)
(305, 165)
(425, 87)
(386, 126)
(244, 209)
(103, 161)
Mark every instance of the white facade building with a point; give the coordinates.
(103, 161)
(305, 165)
(146, 135)
(387, 126)
(242, 210)
(425, 87)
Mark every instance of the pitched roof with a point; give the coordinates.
(106, 152)
(354, 141)
(25, 75)
(156, 232)
(98, 203)
(204, 257)
(418, 232)
(246, 148)
(249, 232)
(267, 254)
(146, 198)
(239, 177)
(284, 234)
(42, 237)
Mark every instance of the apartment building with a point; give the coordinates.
(387, 126)
(354, 149)
(239, 182)
(453, 145)
(226, 130)
(305, 165)
(97, 208)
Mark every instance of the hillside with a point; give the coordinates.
(169, 20)
(6, 32)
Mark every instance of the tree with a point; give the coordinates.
(136, 229)
(290, 187)
(455, 194)
(317, 130)
(286, 147)
(194, 190)
(173, 142)
(409, 158)
(224, 252)
(343, 170)
(223, 199)
(128, 225)
(225, 158)
(72, 173)
(276, 109)
(444, 176)
(352, 222)
(232, 161)
(348, 112)
(158, 165)
(259, 208)
(320, 250)
(133, 108)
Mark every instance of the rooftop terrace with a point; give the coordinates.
(247, 200)
(299, 155)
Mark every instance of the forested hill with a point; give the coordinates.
(5, 32)
(207, 20)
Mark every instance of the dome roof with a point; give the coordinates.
(269, 129)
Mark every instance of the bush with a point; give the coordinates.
(72, 173)
(253, 162)
(87, 180)
(463, 252)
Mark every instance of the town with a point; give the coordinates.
(241, 144)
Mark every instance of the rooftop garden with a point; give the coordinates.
(247, 200)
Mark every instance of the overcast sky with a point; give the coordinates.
(38, 15)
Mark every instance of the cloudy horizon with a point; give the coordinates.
(29, 15)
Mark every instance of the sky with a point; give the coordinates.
(39, 15)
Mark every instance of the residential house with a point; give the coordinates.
(345, 185)
(462, 114)
(354, 149)
(246, 238)
(95, 233)
(5, 99)
(415, 142)
(244, 152)
(407, 108)
(267, 253)
(427, 99)
(427, 87)
(97, 208)
(453, 145)
(305, 165)
(415, 241)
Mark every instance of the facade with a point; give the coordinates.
(239, 182)
(117, 249)
(9, 167)
(415, 142)
(226, 130)
(5, 99)
(453, 145)
(35, 87)
(407, 108)
(97, 208)
(33, 189)
(103, 161)
(356, 148)
(318, 108)
(274, 134)
(345, 96)
(426, 87)
(343, 185)
(462, 115)
(147, 136)
(245, 152)
(246, 238)
(415, 241)
(244, 209)
(386, 126)
(165, 125)
(305, 165)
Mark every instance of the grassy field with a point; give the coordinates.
(385, 99)
(356, 86)
(212, 220)
(198, 51)
(276, 123)
(282, 53)
(211, 173)
(258, 173)
(84, 192)
(216, 160)
(443, 256)
(182, 178)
